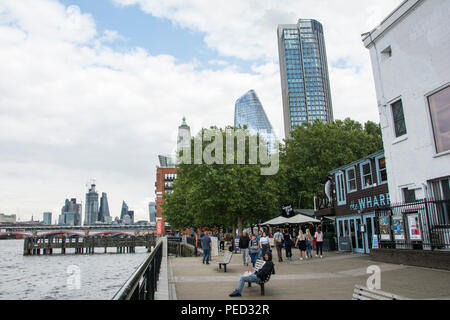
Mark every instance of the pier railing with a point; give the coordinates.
(142, 285)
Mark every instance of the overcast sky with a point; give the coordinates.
(97, 89)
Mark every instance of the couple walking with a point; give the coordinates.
(305, 243)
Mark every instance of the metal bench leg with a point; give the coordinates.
(220, 266)
(262, 289)
(249, 284)
(224, 268)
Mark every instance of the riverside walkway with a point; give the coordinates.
(330, 278)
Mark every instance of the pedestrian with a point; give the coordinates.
(301, 244)
(253, 249)
(278, 239)
(264, 244)
(244, 242)
(287, 245)
(206, 246)
(309, 242)
(258, 276)
(319, 243)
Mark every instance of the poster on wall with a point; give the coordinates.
(414, 227)
(385, 229)
(159, 227)
(375, 242)
(397, 226)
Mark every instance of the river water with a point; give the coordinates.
(63, 277)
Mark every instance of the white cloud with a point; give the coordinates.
(72, 108)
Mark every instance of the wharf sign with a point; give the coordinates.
(371, 202)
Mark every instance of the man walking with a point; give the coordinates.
(207, 246)
(244, 242)
(278, 238)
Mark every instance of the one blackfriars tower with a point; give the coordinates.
(305, 80)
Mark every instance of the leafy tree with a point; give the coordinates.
(220, 194)
(315, 149)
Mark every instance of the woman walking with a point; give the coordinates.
(253, 249)
(319, 242)
(309, 242)
(287, 245)
(264, 244)
(301, 244)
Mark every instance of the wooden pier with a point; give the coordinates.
(85, 245)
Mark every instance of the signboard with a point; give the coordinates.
(159, 227)
(345, 244)
(385, 228)
(397, 226)
(287, 211)
(375, 244)
(414, 227)
(236, 243)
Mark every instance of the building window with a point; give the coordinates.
(351, 180)
(340, 188)
(399, 119)
(366, 175)
(381, 169)
(439, 104)
(409, 195)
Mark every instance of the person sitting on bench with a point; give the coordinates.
(262, 273)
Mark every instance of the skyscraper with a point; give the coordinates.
(250, 112)
(70, 213)
(124, 210)
(47, 218)
(305, 81)
(103, 212)
(152, 212)
(91, 210)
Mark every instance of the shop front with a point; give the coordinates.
(355, 233)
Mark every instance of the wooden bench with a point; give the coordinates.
(226, 260)
(258, 265)
(363, 293)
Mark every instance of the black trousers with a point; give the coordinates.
(319, 245)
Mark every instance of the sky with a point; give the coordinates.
(97, 89)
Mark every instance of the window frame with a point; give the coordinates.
(433, 131)
(396, 135)
(363, 182)
(379, 171)
(348, 180)
(340, 188)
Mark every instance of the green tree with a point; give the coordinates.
(315, 149)
(221, 194)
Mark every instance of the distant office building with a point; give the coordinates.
(91, 210)
(47, 218)
(124, 210)
(152, 212)
(304, 74)
(126, 216)
(103, 212)
(4, 218)
(250, 112)
(70, 213)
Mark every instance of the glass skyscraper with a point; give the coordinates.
(249, 111)
(304, 74)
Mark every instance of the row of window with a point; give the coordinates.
(170, 176)
(346, 182)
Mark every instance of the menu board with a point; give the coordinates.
(397, 226)
(385, 228)
(414, 227)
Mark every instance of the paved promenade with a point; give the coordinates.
(330, 278)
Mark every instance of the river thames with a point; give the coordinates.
(63, 277)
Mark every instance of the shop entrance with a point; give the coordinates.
(359, 230)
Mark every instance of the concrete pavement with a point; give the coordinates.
(330, 278)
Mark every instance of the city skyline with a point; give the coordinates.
(106, 73)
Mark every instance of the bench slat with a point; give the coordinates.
(370, 295)
(381, 293)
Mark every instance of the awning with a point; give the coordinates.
(298, 219)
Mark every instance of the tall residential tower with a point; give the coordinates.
(304, 74)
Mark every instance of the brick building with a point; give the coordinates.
(352, 194)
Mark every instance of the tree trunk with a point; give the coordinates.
(239, 222)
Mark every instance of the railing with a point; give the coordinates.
(142, 285)
(423, 224)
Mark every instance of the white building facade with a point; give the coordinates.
(410, 53)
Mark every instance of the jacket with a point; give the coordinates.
(244, 242)
(265, 271)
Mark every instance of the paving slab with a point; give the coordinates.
(330, 278)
